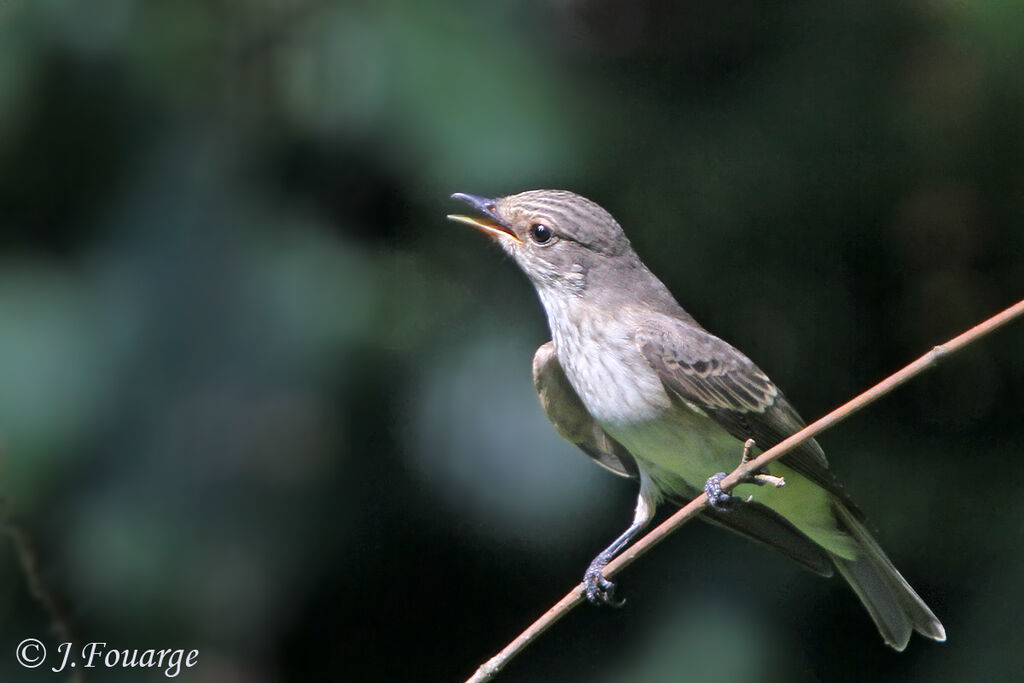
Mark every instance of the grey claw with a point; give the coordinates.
(717, 498)
(599, 590)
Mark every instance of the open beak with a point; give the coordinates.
(492, 225)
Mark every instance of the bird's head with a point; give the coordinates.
(556, 237)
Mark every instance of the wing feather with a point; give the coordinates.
(711, 375)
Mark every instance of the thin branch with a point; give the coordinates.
(489, 669)
(60, 623)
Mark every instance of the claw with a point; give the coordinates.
(721, 501)
(598, 589)
(717, 498)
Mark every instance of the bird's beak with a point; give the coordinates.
(494, 226)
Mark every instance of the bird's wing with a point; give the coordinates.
(567, 413)
(711, 376)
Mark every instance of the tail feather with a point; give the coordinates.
(894, 606)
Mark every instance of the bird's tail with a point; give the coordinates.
(895, 607)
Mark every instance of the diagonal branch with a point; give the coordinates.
(489, 669)
(24, 549)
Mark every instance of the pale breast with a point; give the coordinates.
(602, 363)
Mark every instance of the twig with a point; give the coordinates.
(488, 670)
(27, 558)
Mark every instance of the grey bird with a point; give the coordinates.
(639, 386)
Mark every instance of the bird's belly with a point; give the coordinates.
(679, 447)
(682, 448)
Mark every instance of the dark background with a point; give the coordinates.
(257, 397)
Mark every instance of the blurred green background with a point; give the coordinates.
(257, 397)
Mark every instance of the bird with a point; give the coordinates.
(637, 384)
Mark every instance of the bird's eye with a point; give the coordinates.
(540, 233)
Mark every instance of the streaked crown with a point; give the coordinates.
(568, 215)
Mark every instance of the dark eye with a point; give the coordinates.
(540, 233)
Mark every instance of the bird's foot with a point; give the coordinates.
(598, 589)
(722, 501)
(718, 499)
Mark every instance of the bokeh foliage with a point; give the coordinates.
(257, 397)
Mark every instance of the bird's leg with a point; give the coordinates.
(598, 589)
(722, 501)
